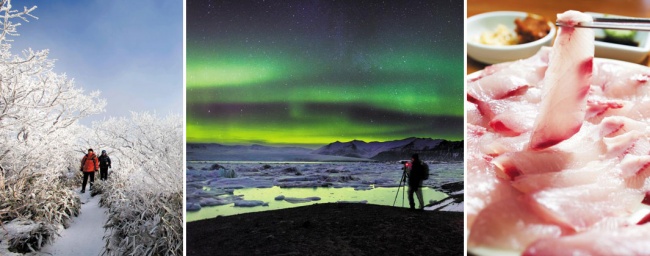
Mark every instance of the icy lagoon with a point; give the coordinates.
(227, 188)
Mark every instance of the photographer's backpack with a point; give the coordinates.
(425, 176)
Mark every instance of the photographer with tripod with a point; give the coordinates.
(416, 174)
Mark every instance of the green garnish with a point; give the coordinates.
(620, 36)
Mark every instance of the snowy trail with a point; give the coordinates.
(85, 234)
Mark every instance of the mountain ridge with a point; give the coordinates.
(428, 149)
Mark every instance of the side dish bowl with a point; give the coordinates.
(634, 54)
(491, 54)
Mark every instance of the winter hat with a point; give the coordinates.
(416, 157)
(90, 150)
(103, 151)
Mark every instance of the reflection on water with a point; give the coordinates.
(380, 196)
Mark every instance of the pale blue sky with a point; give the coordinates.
(132, 51)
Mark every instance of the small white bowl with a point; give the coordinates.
(491, 54)
(634, 54)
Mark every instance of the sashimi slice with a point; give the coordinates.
(617, 125)
(473, 137)
(486, 187)
(497, 86)
(620, 81)
(531, 183)
(596, 108)
(585, 146)
(510, 225)
(514, 121)
(633, 165)
(632, 240)
(637, 109)
(495, 145)
(511, 165)
(621, 145)
(532, 69)
(566, 83)
(635, 170)
(579, 207)
(473, 115)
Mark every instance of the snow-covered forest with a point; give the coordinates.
(42, 143)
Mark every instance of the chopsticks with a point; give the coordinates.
(614, 23)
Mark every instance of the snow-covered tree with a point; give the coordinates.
(41, 144)
(39, 113)
(144, 192)
(39, 108)
(150, 146)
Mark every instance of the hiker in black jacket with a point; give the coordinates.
(104, 164)
(416, 176)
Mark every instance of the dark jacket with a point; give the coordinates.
(104, 161)
(416, 174)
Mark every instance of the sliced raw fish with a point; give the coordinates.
(618, 81)
(473, 137)
(622, 145)
(532, 69)
(581, 206)
(585, 146)
(513, 164)
(566, 83)
(514, 121)
(639, 110)
(597, 108)
(482, 106)
(531, 183)
(494, 144)
(474, 116)
(497, 86)
(510, 225)
(486, 187)
(644, 220)
(635, 170)
(616, 125)
(632, 240)
(559, 152)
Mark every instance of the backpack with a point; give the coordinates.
(425, 174)
(81, 169)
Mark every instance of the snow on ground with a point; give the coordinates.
(85, 234)
(454, 207)
(459, 192)
(447, 205)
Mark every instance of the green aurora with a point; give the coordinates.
(267, 86)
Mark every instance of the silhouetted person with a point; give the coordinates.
(89, 165)
(416, 175)
(104, 164)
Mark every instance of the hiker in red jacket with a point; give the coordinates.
(89, 165)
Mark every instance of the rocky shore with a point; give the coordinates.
(329, 229)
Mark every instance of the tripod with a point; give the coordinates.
(401, 184)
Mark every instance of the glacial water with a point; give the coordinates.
(380, 196)
(375, 183)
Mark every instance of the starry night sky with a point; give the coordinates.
(309, 73)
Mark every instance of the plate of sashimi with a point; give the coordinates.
(558, 152)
